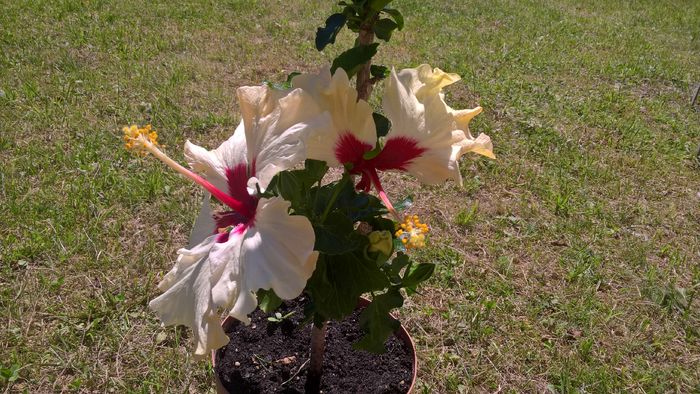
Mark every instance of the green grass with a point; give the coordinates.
(569, 264)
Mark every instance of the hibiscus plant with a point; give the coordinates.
(283, 225)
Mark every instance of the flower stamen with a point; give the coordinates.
(412, 232)
(145, 139)
(134, 134)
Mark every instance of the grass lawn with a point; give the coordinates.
(570, 264)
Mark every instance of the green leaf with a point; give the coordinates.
(404, 204)
(286, 85)
(10, 374)
(337, 235)
(376, 321)
(296, 186)
(380, 223)
(268, 301)
(379, 72)
(338, 281)
(394, 268)
(315, 170)
(378, 5)
(399, 246)
(384, 27)
(356, 206)
(417, 274)
(326, 35)
(288, 82)
(383, 124)
(354, 24)
(290, 186)
(352, 60)
(396, 15)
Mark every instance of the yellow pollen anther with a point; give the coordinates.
(138, 138)
(412, 232)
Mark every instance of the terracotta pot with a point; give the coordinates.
(401, 334)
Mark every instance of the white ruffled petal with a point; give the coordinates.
(402, 107)
(213, 164)
(481, 145)
(414, 102)
(276, 253)
(278, 140)
(187, 300)
(335, 95)
(185, 259)
(270, 138)
(279, 250)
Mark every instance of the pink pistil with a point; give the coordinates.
(234, 204)
(372, 174)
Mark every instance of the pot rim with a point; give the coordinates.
(401, 333)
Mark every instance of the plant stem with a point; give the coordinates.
(366, 37)
(336, 192)
(318, 347)
(318, 334)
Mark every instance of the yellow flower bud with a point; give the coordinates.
(381, 241)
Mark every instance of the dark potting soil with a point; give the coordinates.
(271, 357)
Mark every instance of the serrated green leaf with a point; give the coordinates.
(296, 186)
(338, 281)
(376, 321)
(384, 27)
(326, 35)
(352, 60)
(337, 236)
(290, 186)
(382, 123)
(378, 5)
(396, 15)
(393, 268)
(379, 72)
(315, 170)
(356, 206)
(268, 301)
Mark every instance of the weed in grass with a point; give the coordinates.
(585, 348)
(466, 217)
(583, 267)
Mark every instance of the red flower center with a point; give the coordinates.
(237, 221)
(398, 153)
